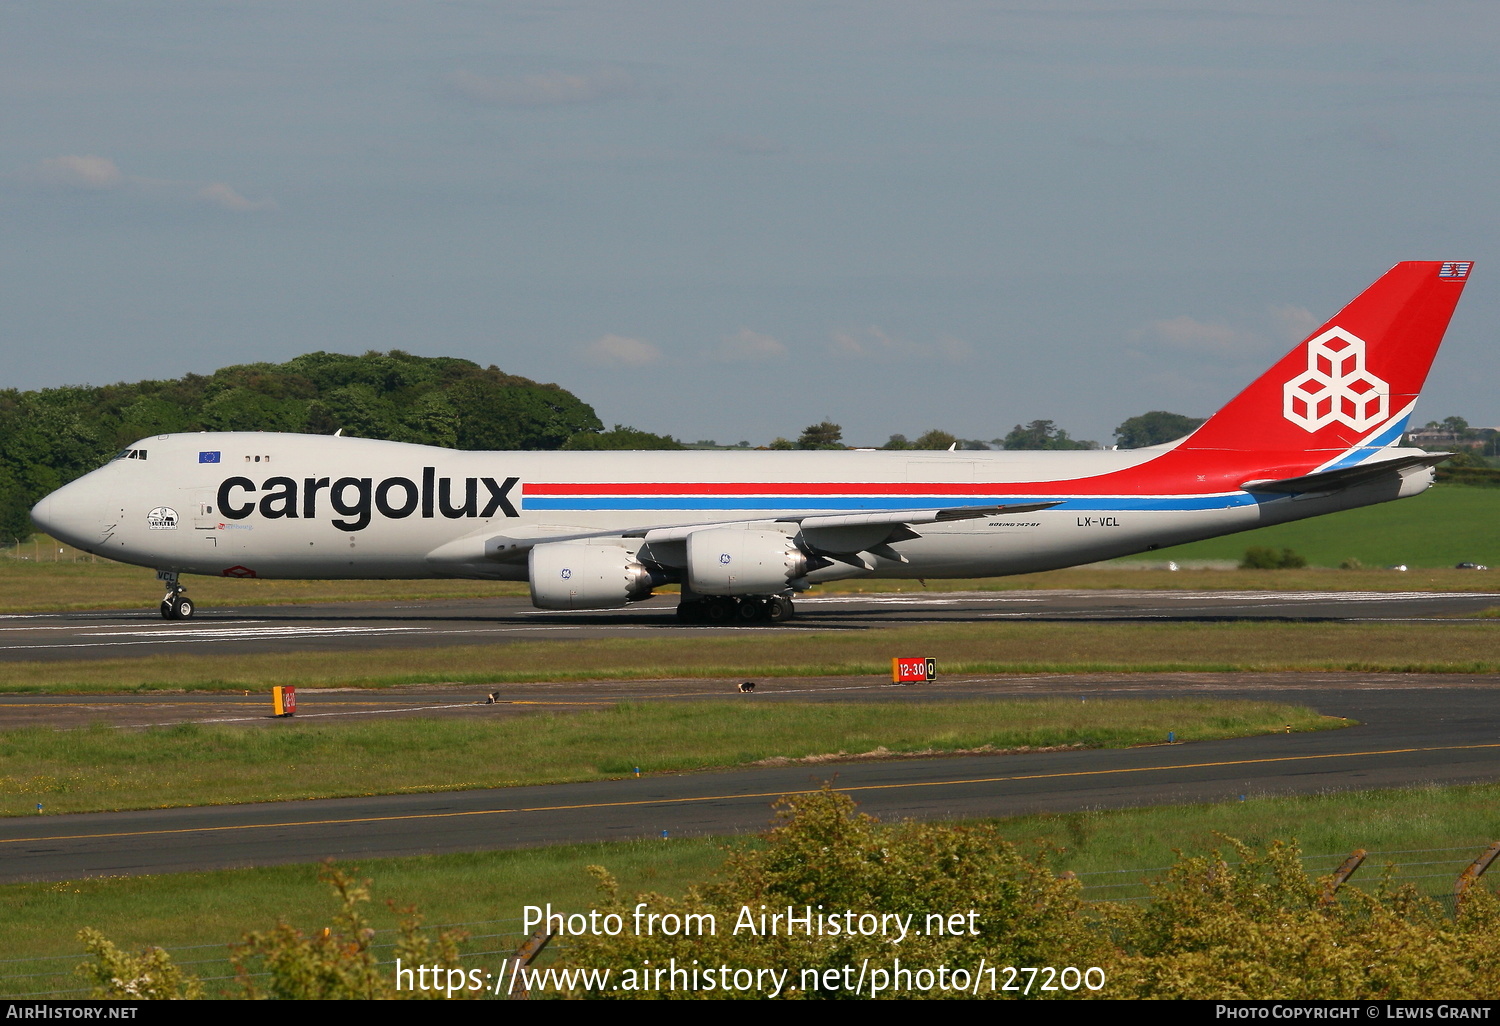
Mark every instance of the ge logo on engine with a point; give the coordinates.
(724, 558)
(566, 574)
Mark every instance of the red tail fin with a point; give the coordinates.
(1355, 377)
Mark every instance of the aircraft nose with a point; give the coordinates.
(41, 514)
(67, 518)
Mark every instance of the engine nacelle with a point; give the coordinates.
(585, 575)
(724, 561)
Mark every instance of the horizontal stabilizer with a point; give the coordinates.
(1344, 477)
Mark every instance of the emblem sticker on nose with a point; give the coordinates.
(162, 518)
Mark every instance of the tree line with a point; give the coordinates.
(1152, 428)
(51, 436)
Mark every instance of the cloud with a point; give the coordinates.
(952, 350)
(100, 174)
(223, 196)
(620, 351)
(1294, 322)
(548, 89)
(1281, 325)
(874, 344)
(1189, 335)
(746, 346)
(79, 172)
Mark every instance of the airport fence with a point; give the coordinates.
(39, 548)
(1432, 871)
(490, 942)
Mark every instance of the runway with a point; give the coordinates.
(1413, 730)
(361, 626)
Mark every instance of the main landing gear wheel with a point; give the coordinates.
(722, 610)
(719, 609)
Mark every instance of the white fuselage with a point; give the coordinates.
(304, 506)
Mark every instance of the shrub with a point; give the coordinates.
(1252, 927)
(120, 976)
(335, 962)
(1011, 908)
(339, 962)
(1260, 557)
(1263, 916)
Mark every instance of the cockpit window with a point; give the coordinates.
(130, 454)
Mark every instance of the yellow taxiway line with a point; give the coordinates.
(730, 797)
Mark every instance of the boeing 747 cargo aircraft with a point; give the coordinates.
(743, 532)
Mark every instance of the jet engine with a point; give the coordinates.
(586, 575)
(725, 561)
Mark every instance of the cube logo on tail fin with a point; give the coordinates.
(1336, 386)
(1356, 375)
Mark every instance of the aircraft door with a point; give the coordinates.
(206, 522)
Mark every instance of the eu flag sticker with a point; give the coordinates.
(208, 457)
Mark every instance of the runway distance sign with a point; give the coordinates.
(910, 671)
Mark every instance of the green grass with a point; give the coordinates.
(485, 890)
(77, 582)
(1466, 645)
(1407, 820)
(489, 889)
(104, 768)
(1444, 526)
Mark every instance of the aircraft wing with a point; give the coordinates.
(828, 534)
(845, 537)
(1344, 477)
(914, 516)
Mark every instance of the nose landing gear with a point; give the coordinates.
(175, 605)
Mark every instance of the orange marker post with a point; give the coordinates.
(912, 671)
(284, 700)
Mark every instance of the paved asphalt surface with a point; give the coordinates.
(231, 631)
(1413, 729)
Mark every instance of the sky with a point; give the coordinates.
(728, 221)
